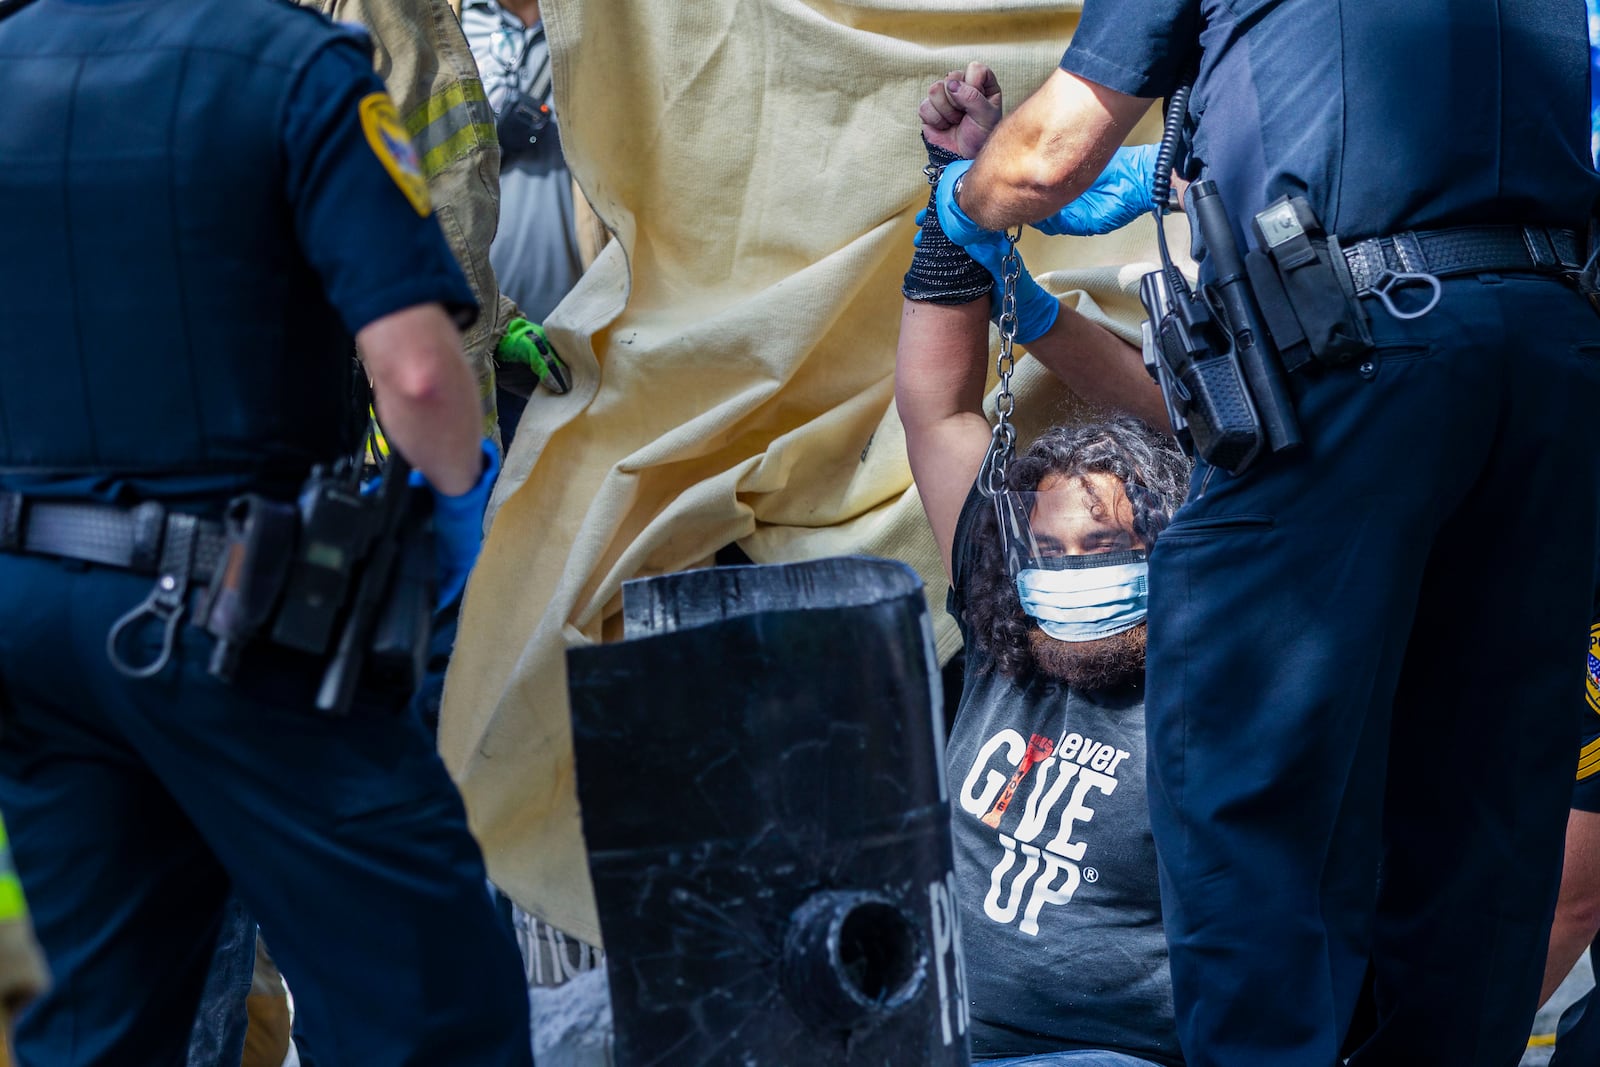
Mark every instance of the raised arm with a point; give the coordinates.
(941, 361)
(940, 368)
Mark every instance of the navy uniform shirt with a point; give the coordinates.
(362, 221)
(361, 210)
(1385, 115)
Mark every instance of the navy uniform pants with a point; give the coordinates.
(1363, 693)
(134, 805)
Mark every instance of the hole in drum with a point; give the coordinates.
(877, 951)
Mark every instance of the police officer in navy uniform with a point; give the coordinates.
(1577, 923)
(201, 203)
(1357, 647)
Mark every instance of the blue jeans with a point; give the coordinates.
(220, 1024)
(1084, 1057)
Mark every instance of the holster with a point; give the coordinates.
(398, 655)
(258, 545)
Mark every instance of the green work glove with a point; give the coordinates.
(526, 343)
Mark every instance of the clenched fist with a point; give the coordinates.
(961, 110)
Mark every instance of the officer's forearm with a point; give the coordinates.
(1047, 152)
(1578, 909)
(425, 395)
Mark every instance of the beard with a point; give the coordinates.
(1090, 665)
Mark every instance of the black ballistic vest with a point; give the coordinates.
(156, 314)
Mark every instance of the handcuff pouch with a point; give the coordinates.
(1314, 287)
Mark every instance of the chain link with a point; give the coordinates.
(1004, 439)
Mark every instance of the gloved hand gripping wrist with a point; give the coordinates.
(941, 271)
(1036, 309)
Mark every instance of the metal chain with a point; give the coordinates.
(1003, 441)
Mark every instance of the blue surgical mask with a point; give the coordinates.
(1085, 598)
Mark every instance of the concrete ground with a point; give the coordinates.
(1579, 982)
(583, 1008)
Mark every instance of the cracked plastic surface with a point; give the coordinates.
(762, 738)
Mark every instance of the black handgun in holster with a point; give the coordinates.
(388, 509)
(397, 653)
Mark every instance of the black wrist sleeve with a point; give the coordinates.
(941, 271)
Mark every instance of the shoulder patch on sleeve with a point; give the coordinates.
(1593, 678)
(388, 141)
(1589, 755)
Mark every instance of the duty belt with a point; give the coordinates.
(145, 539)
(1464, 250)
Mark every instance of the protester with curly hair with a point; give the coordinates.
(1065, 960)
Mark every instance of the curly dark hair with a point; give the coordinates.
(1154, 474)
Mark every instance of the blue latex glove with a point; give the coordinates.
(1122, 193)
(1036, 309)
(458, 527)
(956, 224)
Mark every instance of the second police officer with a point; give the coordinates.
(1359, 648)
(201, 203)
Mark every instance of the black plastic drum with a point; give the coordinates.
(760, 767)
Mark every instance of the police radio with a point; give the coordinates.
(337, 528)
(1219, 375)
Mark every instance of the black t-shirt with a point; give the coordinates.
(1387, 116)
(1054, 860)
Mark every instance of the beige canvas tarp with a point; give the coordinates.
(732, 350)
